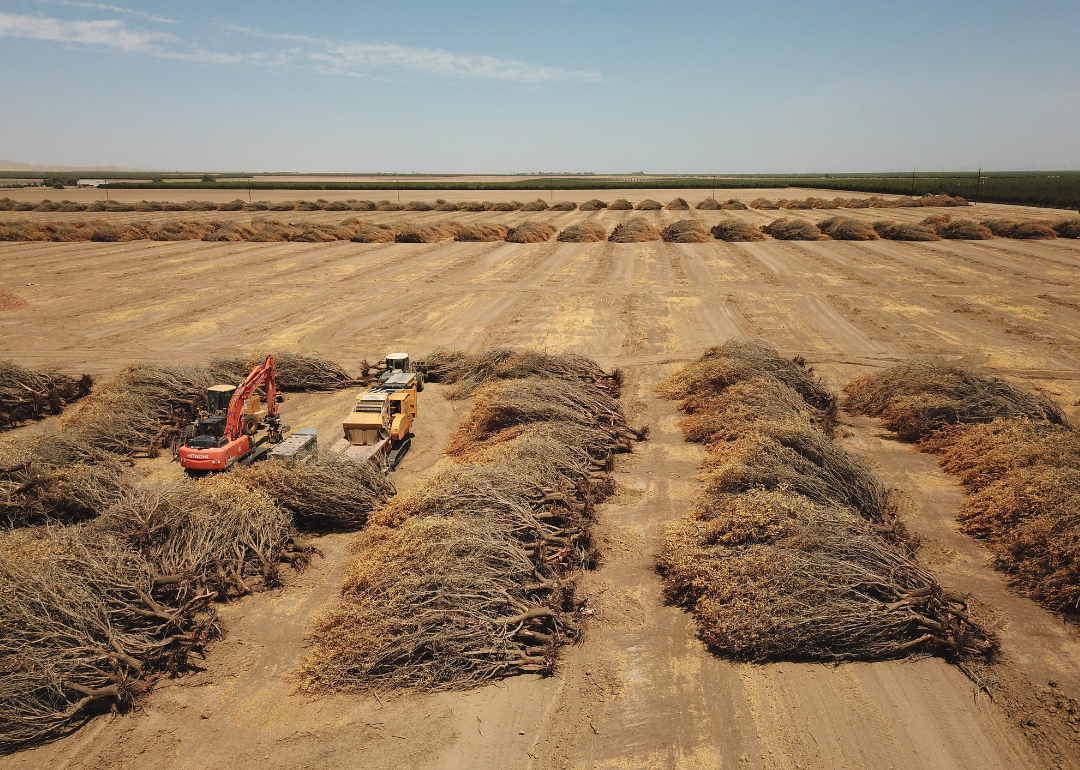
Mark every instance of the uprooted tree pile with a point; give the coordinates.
(791, 229)
(792, 551)
(634, 230)
(1013, 452)
(531, 232)
(732, 230)
(945, 226)
(904, 231)
(470, 576)
(74, 471)
(482, 232)
(93, 614)
(686, 231)
(26, 394)
(844, 229)
(586, 232)
(82, 632)
(467, 372)
(919, 397)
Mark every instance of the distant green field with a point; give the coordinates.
(1059, 189)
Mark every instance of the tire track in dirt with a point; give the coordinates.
(675, 264)
(837, 259)
(901, 261)
(982, 260)
(752, 265)
(604, 267)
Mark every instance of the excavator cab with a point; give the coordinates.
(209, 433)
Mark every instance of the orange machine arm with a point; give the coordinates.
(263, 373)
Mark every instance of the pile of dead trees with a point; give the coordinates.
(1013, 451)
(118, 586)
(470, 576)
(27, 395)
(792, 550)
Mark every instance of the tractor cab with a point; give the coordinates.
(398, 364)
(218, 398)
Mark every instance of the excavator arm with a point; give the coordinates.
(260, 375)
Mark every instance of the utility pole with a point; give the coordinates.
(912, 183)
(714, 187)
(978, 184)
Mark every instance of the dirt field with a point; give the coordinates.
(640, 691)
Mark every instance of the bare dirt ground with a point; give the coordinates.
(640, 691)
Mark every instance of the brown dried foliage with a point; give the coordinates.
(919, 397)
(634, 230)
(585, 232)
(792, 550)
(1010, 228)
(428, 233)
(957, 229)
(469, 577)
(482, 232)
(904, 231)
(84, 629)
(531, 232)
(733, 230)
(27, 395)
(844, 229)
(1013, 452)
(790, 229)
(686, 231)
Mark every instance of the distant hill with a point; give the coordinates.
(10, 165)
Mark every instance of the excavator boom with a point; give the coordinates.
(263, 373)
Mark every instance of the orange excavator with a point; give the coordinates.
(239, 433)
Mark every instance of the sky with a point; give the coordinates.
(609, 86)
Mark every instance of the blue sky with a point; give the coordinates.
(552, 85)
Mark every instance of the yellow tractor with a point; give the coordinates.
(379, 427)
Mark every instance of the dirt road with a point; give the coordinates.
(640, 691)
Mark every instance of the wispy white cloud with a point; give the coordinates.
(110, 33)
(358, 59)
(354, 59)
(115, 34)
(112, 8)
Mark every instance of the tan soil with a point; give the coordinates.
(9, 300)
(641, 691)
